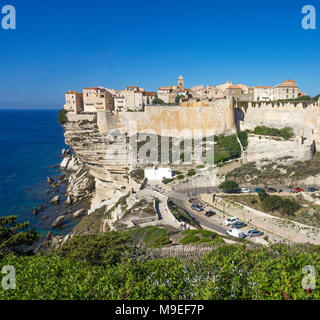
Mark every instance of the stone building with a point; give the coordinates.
(97, 98)
(74, 101)
(262, 93)
(164, 94)
(148, 97)
(286, 90)
(239, 92)
(180, 83)
(131, 98)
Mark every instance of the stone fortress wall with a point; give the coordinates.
(222, 118)
(304, 120)
(195, 121)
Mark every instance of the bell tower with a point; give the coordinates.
(180, 83)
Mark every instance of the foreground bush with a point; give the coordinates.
(229, 272)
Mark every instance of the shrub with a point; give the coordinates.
(14, 236)
(98, 249)
(262, 194)
(62, 117)
(285, 133)
(229, 185)
(157, 101)
(191, 172)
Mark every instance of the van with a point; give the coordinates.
(236, 233)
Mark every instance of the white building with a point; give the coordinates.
(158, 174)
(262, 93)
(286, 90)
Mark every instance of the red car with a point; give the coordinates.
(297, 190)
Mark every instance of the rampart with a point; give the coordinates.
(304, 119)
(195, 121)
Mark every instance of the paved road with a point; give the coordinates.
(180, 200)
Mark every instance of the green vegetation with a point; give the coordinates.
(191, 173)
(286, 133)
(150, 236)
(243, 137)
(276, 173)
(137, 174)
(227, 272)
(306, 102)
(14, 236)
(62, 117)
(284, 206)
(110, 267)
(181, 214)
(229, 185)
(200, 236)
(98, 249)
(226, 148)
(157, 101)
(166, 181)
(180, 177)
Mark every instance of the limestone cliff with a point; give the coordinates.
(92, 176)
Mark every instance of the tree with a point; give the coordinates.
(157, 101)
(62, 117)
(229, 185)
(304, 98)
(177, 99)
(262, 194)
(13, 237)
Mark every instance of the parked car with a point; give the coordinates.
(257, 190)
(280, 190)
(236, 233)
(272, 190)
(245, 190)
(210, 214)
(254, 233)
(230, 221)
(312, 189)
(296, 190)
(238, 225)
(197, 207)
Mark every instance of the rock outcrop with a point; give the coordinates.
(58, 222)
(93, 173)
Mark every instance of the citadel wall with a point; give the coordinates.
(305, 120)
(156, 119)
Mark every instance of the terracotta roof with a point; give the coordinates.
(132, 87)
(235, 87)
(287, 83)
(265, 87)
(72, 92)
(150, 94)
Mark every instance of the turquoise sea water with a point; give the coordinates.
(30, 141)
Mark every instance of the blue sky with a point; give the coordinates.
(60, 45)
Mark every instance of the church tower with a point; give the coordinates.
(180, 83)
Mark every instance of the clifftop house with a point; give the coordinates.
(134, 98)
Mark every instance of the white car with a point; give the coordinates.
(230, 221)
(236, 233)
(245, 190)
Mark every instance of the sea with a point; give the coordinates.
(30, 142)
